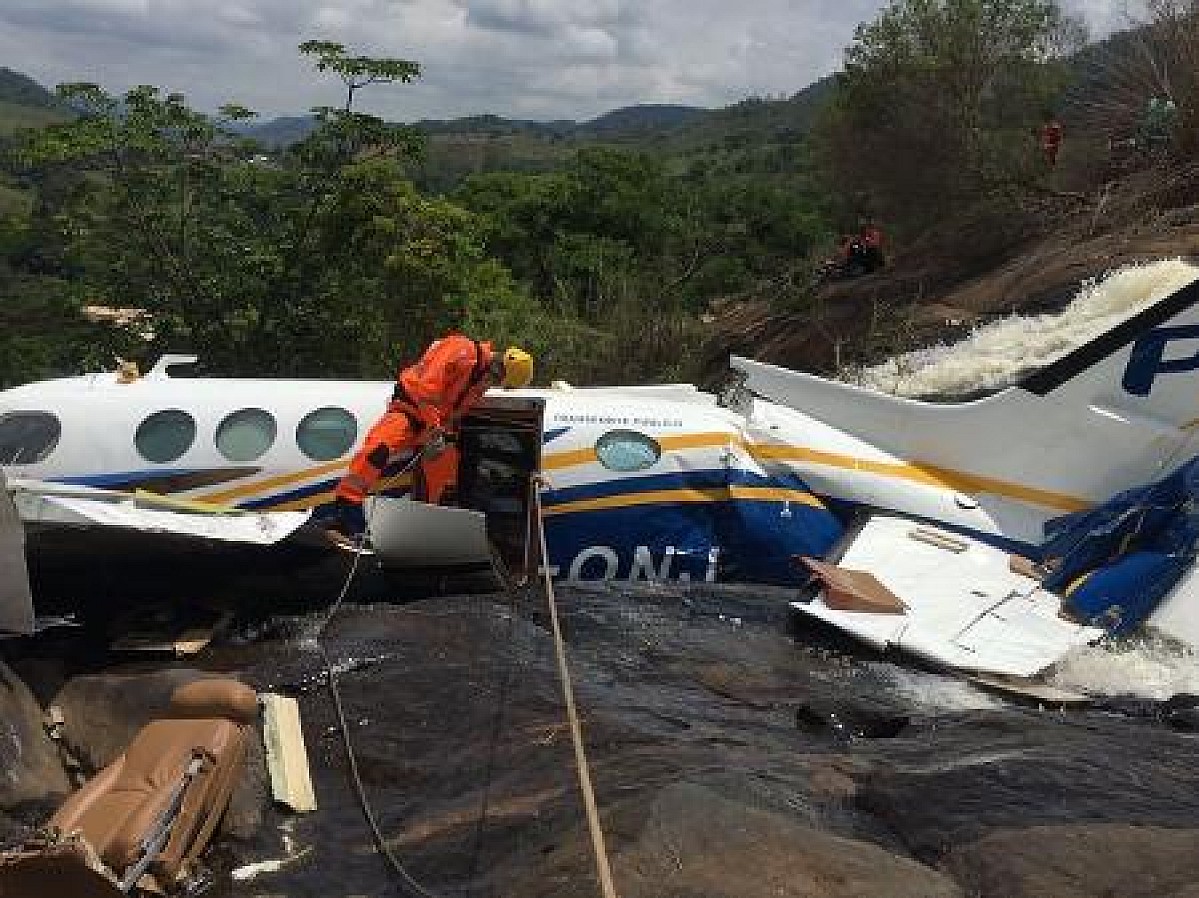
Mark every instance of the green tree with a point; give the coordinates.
(322, 259)
(937, 102)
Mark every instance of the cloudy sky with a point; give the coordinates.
(521, 58)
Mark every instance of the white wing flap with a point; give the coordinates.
(51, 504)
(405, 533)
(965, 608)
(16, 601)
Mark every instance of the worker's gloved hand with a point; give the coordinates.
(346, 522)
(436, 444)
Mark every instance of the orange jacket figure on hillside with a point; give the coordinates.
(1051, 141)
(427, 405)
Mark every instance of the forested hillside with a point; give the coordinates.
(621, 249)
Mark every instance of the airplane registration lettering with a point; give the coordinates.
(604, 563)
(607, 553)
(643, 565)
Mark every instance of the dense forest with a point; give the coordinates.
(337, 244)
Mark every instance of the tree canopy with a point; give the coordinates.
(938, 99)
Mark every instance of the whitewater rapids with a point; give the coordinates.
(997, 354)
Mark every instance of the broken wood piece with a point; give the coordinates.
(286, 757)
(1026, 567)
(849, 590)
(1016, 687)
(167, 639)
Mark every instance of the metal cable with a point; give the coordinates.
(497, 728)
(409, 883)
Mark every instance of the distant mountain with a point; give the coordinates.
(278, 132)
(26, 104)
(22, 90)
(497, 126)
(792, 117)
(629, 121)
(643, 117)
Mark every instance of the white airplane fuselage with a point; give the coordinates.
(644, 483)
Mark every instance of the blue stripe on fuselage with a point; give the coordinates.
(123, 478)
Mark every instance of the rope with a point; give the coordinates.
(576, 731)
(409, 883)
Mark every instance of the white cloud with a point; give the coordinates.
(525, 58)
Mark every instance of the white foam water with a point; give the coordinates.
(931, 692)
(997, 354)
(1148, 667)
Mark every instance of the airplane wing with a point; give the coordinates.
(946, 598)
(41, 504)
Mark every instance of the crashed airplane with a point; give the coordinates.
(955, 531)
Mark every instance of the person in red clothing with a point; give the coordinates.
(427, 406)
(1051, 141)
(870, 239)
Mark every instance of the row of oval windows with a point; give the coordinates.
(245, 435)
(165, 436)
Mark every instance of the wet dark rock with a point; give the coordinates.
(30, 769)
(1080, 861)
(1181, 712)
(976, 774)
(706, 785)
(847, 722)
(691, 842)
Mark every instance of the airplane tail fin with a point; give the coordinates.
(1118, 410)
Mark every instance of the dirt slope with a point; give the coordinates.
(966, 272)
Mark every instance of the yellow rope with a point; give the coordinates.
(576, 731)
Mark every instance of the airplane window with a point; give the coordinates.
(327, 433)
(627, 450)
(245, 435)
(165, 435)
(27, 437)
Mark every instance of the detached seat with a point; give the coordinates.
(140, 823)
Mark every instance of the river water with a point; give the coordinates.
(732, 756)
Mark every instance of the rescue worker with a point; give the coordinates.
(1158, 123)
(427, 406)
(870, 238)
(1051, 141)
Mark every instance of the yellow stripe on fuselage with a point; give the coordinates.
(914, 472)
(926, 474)
(272, 483)
(712, 494)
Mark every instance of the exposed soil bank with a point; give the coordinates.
(937, 287)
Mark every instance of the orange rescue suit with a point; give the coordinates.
(444, 384)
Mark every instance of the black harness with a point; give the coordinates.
(402, 402)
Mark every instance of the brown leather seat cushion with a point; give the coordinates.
(119, 807)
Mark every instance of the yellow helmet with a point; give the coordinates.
(518, 368)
